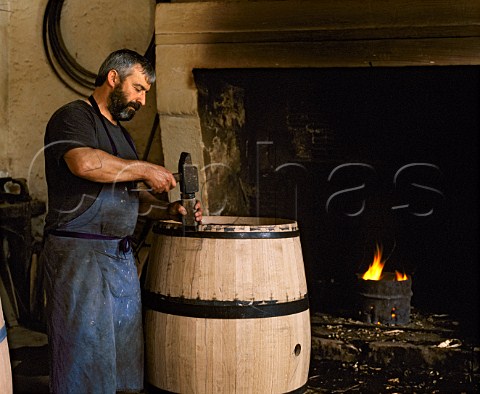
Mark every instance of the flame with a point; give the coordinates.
(399, 276)
(374, 271)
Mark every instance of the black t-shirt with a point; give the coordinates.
(72, 126)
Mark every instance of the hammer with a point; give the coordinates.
(188, 177)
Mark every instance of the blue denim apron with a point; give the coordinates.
(94, 303)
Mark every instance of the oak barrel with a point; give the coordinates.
(227, 308)
(5, 366)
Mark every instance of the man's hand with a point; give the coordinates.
(156, 209)
(159, 179)
(175, 210)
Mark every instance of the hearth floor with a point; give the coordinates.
(429, 355)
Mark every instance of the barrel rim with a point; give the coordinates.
(181, 232)
(232, 227)
(254, 222)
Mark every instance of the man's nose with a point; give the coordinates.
(141, 98)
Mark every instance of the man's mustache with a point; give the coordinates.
(136, 106)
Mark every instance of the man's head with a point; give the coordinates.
(130, 76)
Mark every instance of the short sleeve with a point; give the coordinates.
(72, 126)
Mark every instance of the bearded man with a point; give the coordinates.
(94, 315)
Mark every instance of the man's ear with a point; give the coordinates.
(113, 78)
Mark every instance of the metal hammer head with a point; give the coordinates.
(188, 176)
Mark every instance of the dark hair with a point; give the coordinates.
(123, 62)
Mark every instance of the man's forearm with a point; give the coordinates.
(99, 166)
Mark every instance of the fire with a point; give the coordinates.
(375, 269)
(399, 276)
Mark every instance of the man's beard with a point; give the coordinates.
(119, 107)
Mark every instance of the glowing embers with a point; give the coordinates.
(383, 297)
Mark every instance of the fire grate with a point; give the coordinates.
(384, 301)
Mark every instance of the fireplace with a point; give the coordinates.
(361, 126)
(357, 157)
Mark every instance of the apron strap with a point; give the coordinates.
(125, 243)
(97, 111)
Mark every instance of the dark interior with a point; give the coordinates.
(359, 157)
